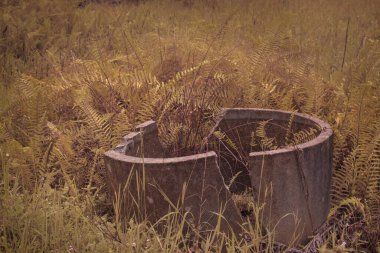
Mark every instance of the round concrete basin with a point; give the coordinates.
(291, 179)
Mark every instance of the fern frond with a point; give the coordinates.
(359, 175)
(170, 133)
(29, 86)
(99, 124)
(185, 73)
(303, 136)
(121, 125)
(267, 143)
(289, 128)
(4, 134)
(221, 136)
(373, 186)
(148, 106)
(347, 208)
(253, 142)
(143, 78)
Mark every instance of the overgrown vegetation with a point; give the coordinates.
(75, 77)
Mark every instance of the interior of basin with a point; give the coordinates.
(236, 134)
(247, 130)
(250, 130)
(240, 131)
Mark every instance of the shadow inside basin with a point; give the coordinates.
(238, 136)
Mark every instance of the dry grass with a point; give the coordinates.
(74, 79)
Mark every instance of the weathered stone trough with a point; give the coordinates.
(292, 181)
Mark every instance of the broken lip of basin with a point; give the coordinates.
(142, 160)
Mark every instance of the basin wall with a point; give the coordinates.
(292, 181)
(158, 186)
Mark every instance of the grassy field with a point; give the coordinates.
(76, 76)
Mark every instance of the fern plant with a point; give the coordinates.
(69, 93)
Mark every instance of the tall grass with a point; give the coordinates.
(75, 78)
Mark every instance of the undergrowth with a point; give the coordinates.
(76, 76)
